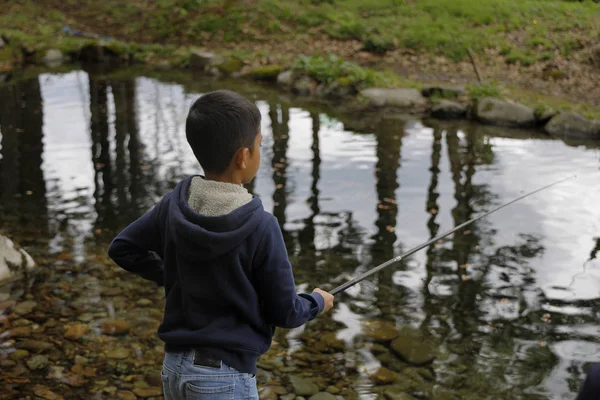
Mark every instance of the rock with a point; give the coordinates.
(412, 347)
(384, 376)
(230, 66)
(201, 59)
(440, 393)
(101, 53)
(37, 362)
(148, 392)
(55, 372)
(502, 113)
(80, 360)
(333, 390)
(1, 42)
(446, 109)
(285, 78)
(393, 393)
(304, 86)
(34, 345)
(45, 393)
(377, 348)
(53, 58)
(115, 326)
(19, 355)
(443, 91)
(402, 97)
(268, 394)
(75, 331)
(290, 396)
(303, 387)
(7, 363)
(4, 77)
(118, 354)
(126, 395)
(544, 115)
(14, 262)
(339, 88)
(266, 73)
(322, 396)
(144, 302)
(329, 342)
(380, 331)
(25, 307)
(21, 331)
(573, 125)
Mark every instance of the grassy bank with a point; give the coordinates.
(523, 31)
(267, 32)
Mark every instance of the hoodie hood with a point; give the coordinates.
(208, 219)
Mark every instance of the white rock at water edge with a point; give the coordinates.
(13, 260)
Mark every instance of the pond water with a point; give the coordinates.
(506, 309)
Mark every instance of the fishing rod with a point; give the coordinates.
(394, 260)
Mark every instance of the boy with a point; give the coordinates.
(228, 281)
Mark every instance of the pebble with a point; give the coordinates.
(126, 395)
(45, 393)
(384, 376)
(148, 392)
(115, 326)
(86, 317)
(333, 390)
(322, 396)
(55, 372)
(118, 354)
(7, 363)
(37, 362)
(290, 396)
(75, 331)
(19, 355)
(303, 387)
(144, 302)
(34, 345)
(380, 331)
(25, 307)
(80, 360)
(21, 331)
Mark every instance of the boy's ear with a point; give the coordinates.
(241, 157)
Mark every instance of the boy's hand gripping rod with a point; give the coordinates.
(365, 275)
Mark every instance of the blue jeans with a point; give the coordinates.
(182, 380)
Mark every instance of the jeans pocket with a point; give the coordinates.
(210, 390)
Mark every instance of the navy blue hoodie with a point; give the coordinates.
(228, 281)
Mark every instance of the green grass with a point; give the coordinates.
(533, 29)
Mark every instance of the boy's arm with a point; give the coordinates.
(133, 249)
(282, 306)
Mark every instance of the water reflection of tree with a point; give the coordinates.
(474, 299)
(280, 131)
(22, 185)
(388, 154)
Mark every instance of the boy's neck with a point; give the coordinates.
(226, 177)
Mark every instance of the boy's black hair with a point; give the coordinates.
(218, 124)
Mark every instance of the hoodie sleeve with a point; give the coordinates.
(133, 249)
(282, 306)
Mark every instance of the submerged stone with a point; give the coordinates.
(384, 376)
(37, 362)
(25, 307)
(148, 392)
(396, 393)
(412, 347)
(303, 387)
(75, 331)
(115, 326)
(45, 393)
(34, 345)
(444, 91)
(380, 331)
(322, 396)
(18, 355)
(118, 354)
